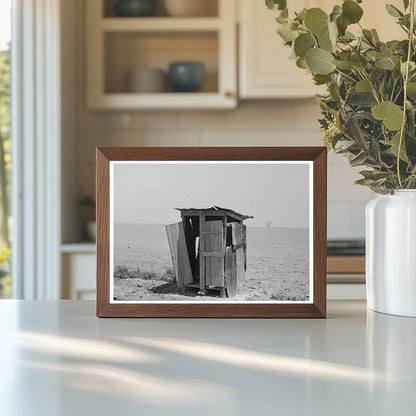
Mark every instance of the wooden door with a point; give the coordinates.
(179, 253)
(212, 253)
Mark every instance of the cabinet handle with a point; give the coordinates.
(229, 94)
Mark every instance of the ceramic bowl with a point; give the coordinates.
(147, 80)
(186, 76)
(135, 8)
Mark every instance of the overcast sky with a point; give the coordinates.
(148, 193)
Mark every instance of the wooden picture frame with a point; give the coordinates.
(315, 157)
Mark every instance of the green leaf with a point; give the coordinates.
(368, 36)
(393, 11)
(344, 65)
(347, 37)
(321, 79)
(394, 145)
(384, 62)
(375, 35)
(303, 43)
(333, 32)
(343, 145)
(301, 15)
(358, 61)
(325, 42)
(351, 11)
(374, 174)
(363, 86)
(320, 61)
(412, 67)
(406, 4)
(358, 160)
(342, 25)
(336, 12)
(316, 20)
(391, 114)
(411, 90)
(301, 63)
(287, 33)
(276, 4)
(354, 132)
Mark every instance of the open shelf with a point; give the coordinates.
(127, 51)
(87, 247)
(119, 45)
(167, 100)
(160, 24)
(210, 7)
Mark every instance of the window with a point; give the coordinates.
(5, 147)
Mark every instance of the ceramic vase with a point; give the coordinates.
(391, 253)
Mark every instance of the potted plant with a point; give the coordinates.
(368, 116)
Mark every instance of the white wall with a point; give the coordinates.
(257, 123)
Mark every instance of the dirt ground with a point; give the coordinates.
(277, 266)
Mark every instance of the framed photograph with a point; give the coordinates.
(211, 232)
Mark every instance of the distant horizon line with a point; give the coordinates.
(165, 224)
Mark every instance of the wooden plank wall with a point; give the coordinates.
(213, 236)
(179, 253)
(230, 272)
(238, 245)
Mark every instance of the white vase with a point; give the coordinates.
(391, 253)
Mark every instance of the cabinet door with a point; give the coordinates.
(265, 68)
(376, 17)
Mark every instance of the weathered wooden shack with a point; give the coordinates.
(209, 250)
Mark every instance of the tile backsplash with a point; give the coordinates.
(257, 123)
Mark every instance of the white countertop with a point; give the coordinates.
(57, 358)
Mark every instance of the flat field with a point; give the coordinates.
(277, 265)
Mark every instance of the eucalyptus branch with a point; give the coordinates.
(373, 88)
(406, 80)
(346, 75)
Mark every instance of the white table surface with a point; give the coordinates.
(57, 358)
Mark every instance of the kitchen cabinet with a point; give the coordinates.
(118, 45)
(265, 70)
(78, 262)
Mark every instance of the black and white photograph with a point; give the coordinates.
(211, 231)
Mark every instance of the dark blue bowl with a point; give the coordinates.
(187, 76)
(135, 8)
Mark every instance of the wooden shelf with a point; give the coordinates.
(346, 264)
(160, 24)
(127, 101)
(81, 247)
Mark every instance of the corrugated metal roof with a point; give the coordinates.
(217, 208)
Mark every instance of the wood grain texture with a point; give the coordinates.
(212, 234)
(230, 272)
(317, 309)
(346, 264)
(179, 254)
